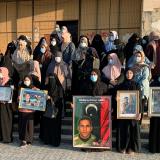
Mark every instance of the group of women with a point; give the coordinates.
(99, 68)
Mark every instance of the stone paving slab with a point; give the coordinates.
(39, 151)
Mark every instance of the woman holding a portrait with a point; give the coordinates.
(128, 131)
(6, 113)
(154, 131)
(26, 116)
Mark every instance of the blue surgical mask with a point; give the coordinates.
(111, 38)
(94, 78)
(43, 50)
(111, 62)
(144, 41)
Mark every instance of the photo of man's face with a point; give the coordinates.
(27, 97)
(126, 100)
(85, 128)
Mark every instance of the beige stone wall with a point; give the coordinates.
(94, 16)
(150, 16)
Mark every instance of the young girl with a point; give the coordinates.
(26, 117)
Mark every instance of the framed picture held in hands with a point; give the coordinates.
(33, 99)
(92, 122)
(127, 104)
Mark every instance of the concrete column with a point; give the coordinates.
(150, 16)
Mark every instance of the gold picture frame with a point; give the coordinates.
(154, 102)
(127, 104)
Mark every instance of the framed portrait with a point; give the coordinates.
(154, 102)
(33, 99)
(6, 94)
(92, 122)
(127, 104)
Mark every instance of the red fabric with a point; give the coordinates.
(105, 130)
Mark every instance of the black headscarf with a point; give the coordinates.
(94, 87)
(55, 89)
(98, 44)
(37, 52)
(23, 85)
(128, 84)
(55, 48)
(132, 42)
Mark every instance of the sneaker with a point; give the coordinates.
(23, 144)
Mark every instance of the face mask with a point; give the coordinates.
(110, 62)
(94, 78)
(58, 59)
(111, 38)
(43, 50)
(83, 45)
(1, 76)
(27, 83)
(138, 59)
(144, 41)
(53, 43)
(57, 29)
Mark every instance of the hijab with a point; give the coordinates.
(31, 85)
(55, 89)
(5, 75)
(113, 71)
(110, 44)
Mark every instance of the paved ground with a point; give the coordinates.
(39, 151)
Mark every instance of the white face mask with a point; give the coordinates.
(138, 59)
(53, 43)
(58, 29)
(43, 50)
(110, 61)
(58, 59)
(83, 45)
(27, 83)
(1, 75)
(111, 38)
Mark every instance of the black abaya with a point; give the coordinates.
(154, 132)
(128, 131)
(6, 122)
(50, 128)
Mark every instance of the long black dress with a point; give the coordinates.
(26, 121)
(154, 132)
(50, 128)
(128, 131)
(6, 121)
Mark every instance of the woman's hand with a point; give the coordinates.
(113, 82)
(138, 116)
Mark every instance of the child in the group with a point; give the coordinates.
(26, 117)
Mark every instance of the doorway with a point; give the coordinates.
(72, 28)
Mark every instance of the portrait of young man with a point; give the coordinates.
(84, 137)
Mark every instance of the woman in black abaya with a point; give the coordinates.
(50, 129)
(154, 132)
(128, 131)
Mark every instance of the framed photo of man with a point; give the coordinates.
(6, 94)
(92, 122)
(33, 99)
(127, 104)
(154, 102)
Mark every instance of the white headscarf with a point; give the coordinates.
(110, 44)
